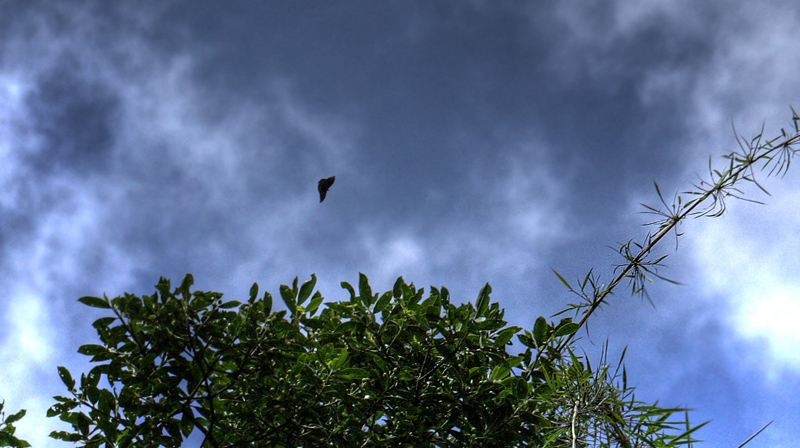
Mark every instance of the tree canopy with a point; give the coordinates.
(393, 369)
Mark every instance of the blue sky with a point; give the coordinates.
(472, 142)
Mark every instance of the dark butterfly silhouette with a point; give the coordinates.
(323, 186)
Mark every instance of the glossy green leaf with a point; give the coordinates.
(499, 372)
(540, 330)
(397, 290)
(253, 293)
(289, 298)
(566, 327)
(482, 303)
(15, 417)
(267, 302)
(506, 334)
(526, 340)
(306, 289)
(349, 289)
(383, 302)
(364, 290)
(230, 304)
(95, 302)
(316, 301)
(66, 377)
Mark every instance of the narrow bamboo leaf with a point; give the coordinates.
(746, 441)
(562, 279)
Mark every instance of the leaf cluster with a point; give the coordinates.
(7, 429)
(390, 369)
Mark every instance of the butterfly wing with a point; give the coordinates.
(323, 186)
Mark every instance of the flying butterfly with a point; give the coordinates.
(323, 186)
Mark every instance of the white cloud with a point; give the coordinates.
(749, 259)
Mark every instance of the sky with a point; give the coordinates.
(472, 142)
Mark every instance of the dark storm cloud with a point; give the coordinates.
(478, 78)
(73, 121)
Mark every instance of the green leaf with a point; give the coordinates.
(253, 293)
(364, 290)
(305, 290)
(94, 376)
(107, 402)
(526, 339)
(95, 302)
(349, 289)
(173, 427)
(14, 417)
(562, 279)
(230, 304)
(83, 423)
(288, 297)
(267, 302)
(397, 290)
(65, 436)
(499, 372)
(540, 330)
(185, 289)
(187, 425)
(103, 322)
(340, 360)
(482, 303)
(92, 350)
(566, 327)
(383, 302)
(66, 377)
(315, 303)
(505, 335)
